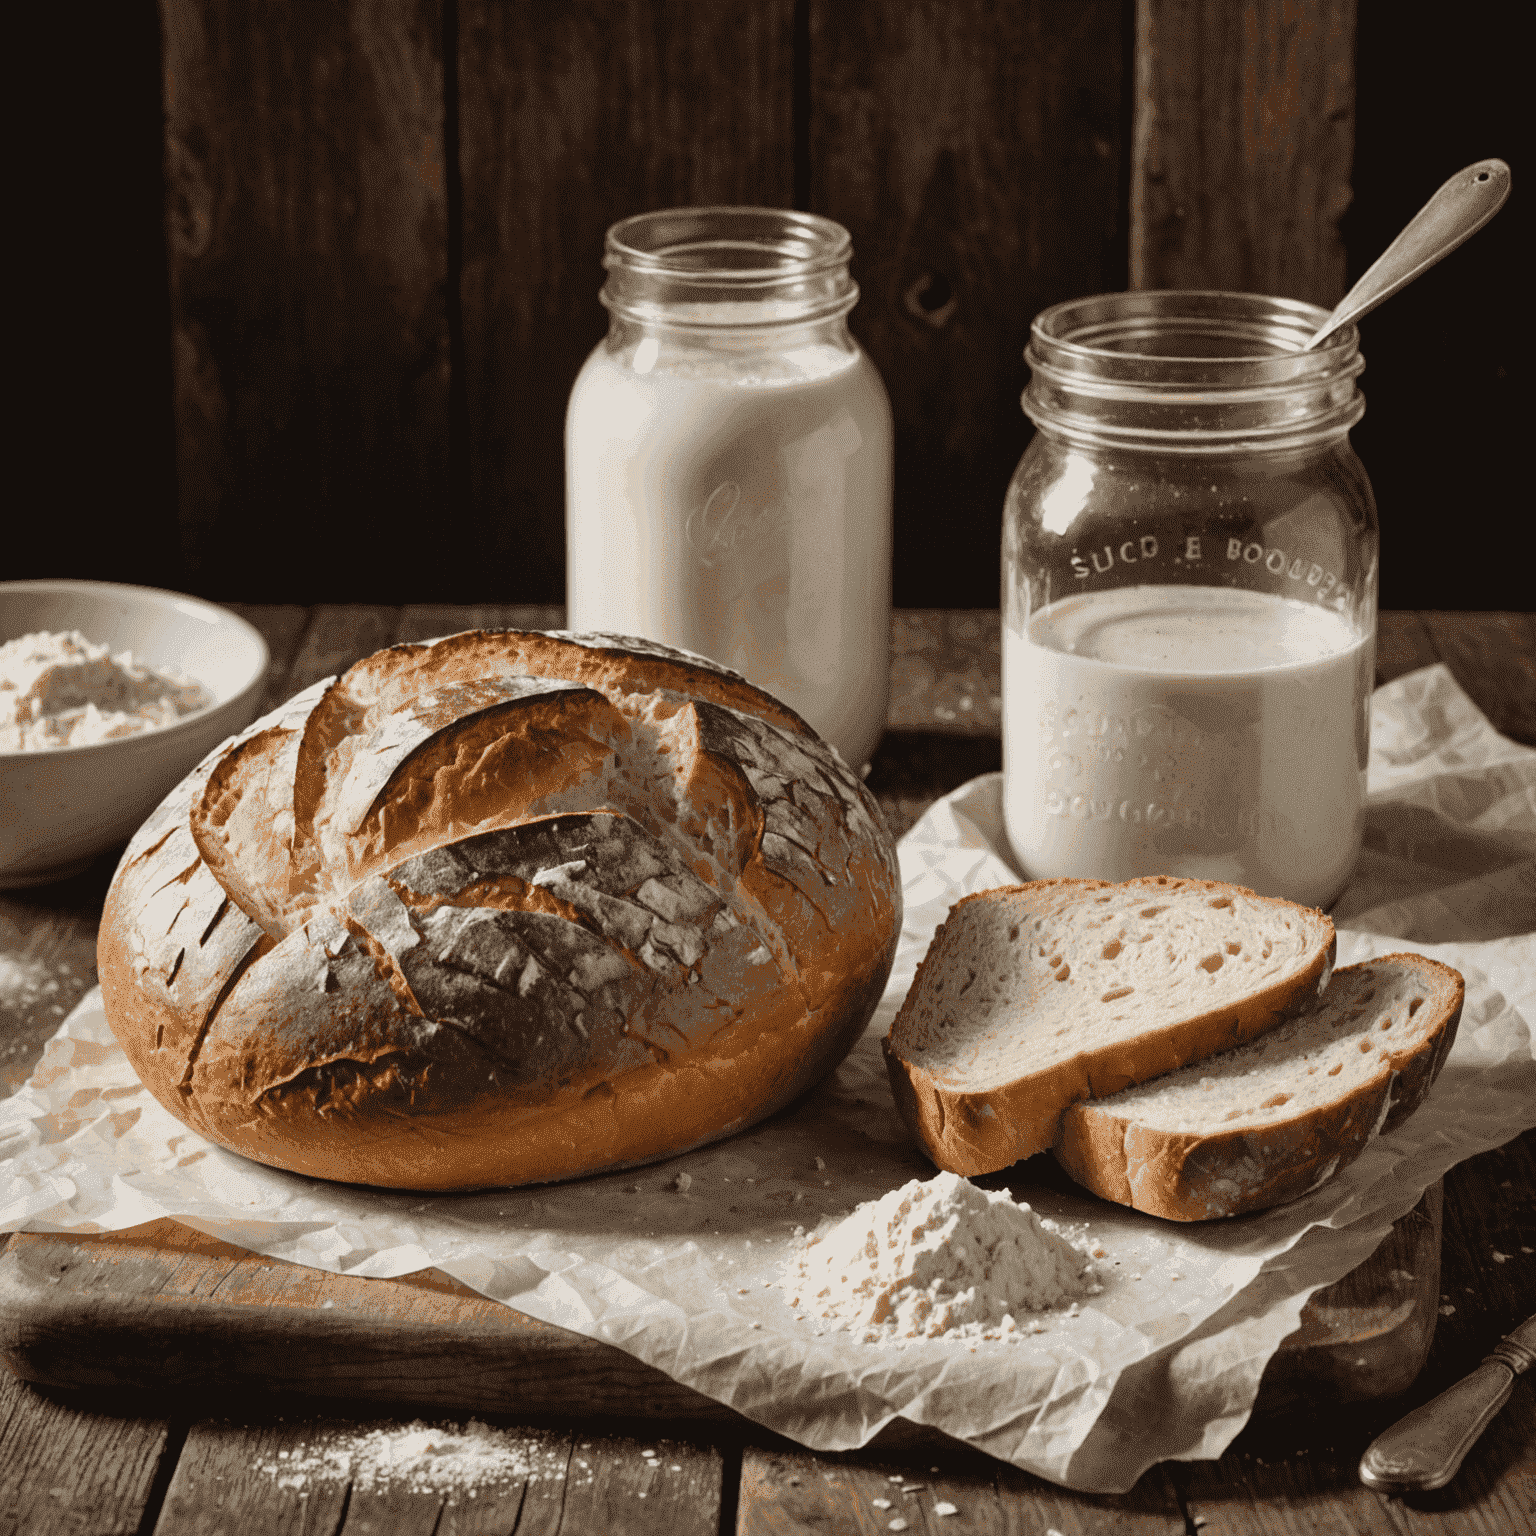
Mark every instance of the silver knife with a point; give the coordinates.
(1424, 1449)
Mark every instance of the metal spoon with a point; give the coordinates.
(1425, 1449)
(1457, 211)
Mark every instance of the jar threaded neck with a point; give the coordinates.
(739, 267)
(1191, 372)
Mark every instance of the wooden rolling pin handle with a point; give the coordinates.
(1424, 1449)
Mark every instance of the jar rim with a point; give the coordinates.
(758, 272)
(1191, 371)
(1084, 329)
(727, 244)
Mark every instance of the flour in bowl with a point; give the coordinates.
(939, 1259)
(60, 690)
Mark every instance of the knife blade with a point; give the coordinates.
(1425, 1448)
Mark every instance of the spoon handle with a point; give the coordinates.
(1457, 211)
(1425, 1449)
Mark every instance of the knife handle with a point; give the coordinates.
(1425, 1448)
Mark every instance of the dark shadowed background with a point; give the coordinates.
(385, 225)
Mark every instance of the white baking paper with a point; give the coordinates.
(1164, 1363)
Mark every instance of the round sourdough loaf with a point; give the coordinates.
(500, 908)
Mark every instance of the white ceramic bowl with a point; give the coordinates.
(59, 809)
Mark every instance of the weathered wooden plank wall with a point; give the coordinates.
(974, 152)
(1242, 145)
(386, 220)
(307, 236)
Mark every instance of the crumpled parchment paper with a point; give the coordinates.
(1164, 1363)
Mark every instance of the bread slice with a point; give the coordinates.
(1270, 1121)
(1033, 997)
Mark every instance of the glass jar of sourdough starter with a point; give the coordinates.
(728, 462)
(1189, 596)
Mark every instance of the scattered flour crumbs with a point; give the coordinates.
(941, 1259)
(425, 1458)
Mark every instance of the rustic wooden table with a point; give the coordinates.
(90, 1462)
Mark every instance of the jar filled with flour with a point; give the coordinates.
(729, 462)
(1189, 597)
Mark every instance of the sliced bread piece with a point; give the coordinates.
(1033, 997)
(1270, 1121)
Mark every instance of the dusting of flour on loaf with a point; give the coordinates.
(60, 690)
(941, 1259)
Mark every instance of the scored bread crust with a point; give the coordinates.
(501, 908)
(1215, 1171)
(973, 1127)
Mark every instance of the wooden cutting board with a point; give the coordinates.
(164, 1309)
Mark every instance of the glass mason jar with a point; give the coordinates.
(1189, 597)
(729, 462)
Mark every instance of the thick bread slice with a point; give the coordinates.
(1273, 1120)
(1033, 997)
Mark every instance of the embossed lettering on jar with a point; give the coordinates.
(729, 462)
(1189, 597)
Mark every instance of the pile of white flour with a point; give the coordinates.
(939, 1259)
(60, 690)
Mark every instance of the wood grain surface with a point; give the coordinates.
(165, 1310)
(307, 234)
(784, 1492)
(277, 1476)
(1242, 144)
(974, 152)
(66, 1466)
